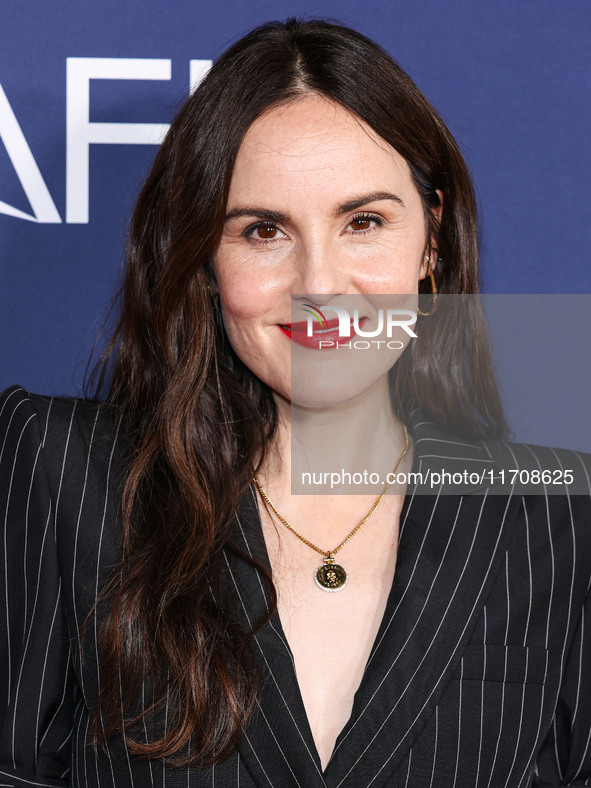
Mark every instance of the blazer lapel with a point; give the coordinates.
(450, 550)
(277, 745)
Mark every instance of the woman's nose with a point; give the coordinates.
(321, 271)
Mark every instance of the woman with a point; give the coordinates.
(161, 601)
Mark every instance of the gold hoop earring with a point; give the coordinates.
(433, 288)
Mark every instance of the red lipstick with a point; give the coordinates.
(325, 336)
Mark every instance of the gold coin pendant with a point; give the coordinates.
(330, 576)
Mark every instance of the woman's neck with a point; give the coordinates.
(315, 448)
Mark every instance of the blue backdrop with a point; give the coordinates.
(512, 80)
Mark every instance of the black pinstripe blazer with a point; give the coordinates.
(480, 674)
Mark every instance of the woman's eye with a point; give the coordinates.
(362, 223)
(262, 232)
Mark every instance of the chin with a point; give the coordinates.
(322, 398)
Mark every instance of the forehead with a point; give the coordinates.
(313, 142)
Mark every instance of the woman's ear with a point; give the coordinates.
(438, 209)
(431, 251)
(424, 269)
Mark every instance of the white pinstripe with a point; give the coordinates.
(44, 669)
(76, 536)
(492, 768)
(57, 711)
(459, 724)
(25, 577)
(530, 578)
(481, 701)
(6, 537)
(76, 753)
(588, 742)
(435, 747)
(523, 687)
(408, 769)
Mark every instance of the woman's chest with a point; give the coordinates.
(331, 633)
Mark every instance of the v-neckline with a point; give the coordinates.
(276, 624)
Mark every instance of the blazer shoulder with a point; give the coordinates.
(437, 440)
(550, 469)
(499, 466)
(62, 426)
(534, 455)
(16, 401)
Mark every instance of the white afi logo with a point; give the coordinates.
(81, 133)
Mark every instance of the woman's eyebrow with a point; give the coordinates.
(352, 205)
(263, 213)
(279, 216)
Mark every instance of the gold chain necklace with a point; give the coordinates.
(330, 576)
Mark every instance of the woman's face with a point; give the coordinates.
(321, 210)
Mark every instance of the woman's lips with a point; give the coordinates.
(324, 337)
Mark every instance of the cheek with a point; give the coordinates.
(249, 307)
(246, 305)
(391, 273)
(247, 286)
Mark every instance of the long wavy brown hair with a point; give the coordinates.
(198, 421)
